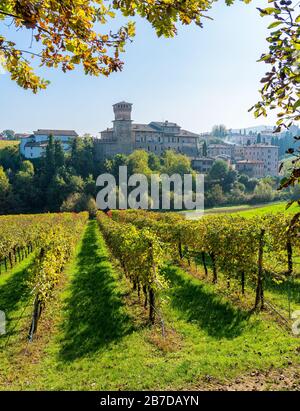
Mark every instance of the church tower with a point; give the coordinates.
(122, 129)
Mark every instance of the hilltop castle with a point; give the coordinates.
(256, 159)
(126, 136)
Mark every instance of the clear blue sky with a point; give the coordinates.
(200, 78)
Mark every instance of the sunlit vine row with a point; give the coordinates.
(20, 234)
(243, 249)
(140, 253)
(56, 244)
(52, 238)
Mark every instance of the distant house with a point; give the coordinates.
(237, 138)
(267, 154)
(217, 150)
(253, 168)
(202, 164)
(34, 146)
(258, 160)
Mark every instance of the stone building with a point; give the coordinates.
(202, 164)
(253, 168)
(126, 136)
(267, 154)
(217, 150)
(258, 160)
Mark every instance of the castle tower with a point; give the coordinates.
(122, 111)
(122, 129)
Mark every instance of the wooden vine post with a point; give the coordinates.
(204, 263)
(243, 281)
(259, 299)
(151, 291)
(214, 268)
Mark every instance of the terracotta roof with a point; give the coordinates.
(186, 133)
(164, 124)
(42, 132)
(143, 127)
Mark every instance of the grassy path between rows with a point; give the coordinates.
(95, 335)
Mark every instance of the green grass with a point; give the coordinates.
(14, 290)
(253, 210)
(274, 208)
(15, 299)
(285, 296)
(8, 143)
(99, 337)
(241, 208)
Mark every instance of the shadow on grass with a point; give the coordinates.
(15, 291)
(95, 312)
(286, 288)
(204, 308)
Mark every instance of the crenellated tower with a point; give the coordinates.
(122, 129)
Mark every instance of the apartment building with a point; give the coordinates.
(268, 154)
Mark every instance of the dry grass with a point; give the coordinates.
(8, 143)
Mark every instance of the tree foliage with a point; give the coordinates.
(281, 83)
(281, 88)
(66, 33)
(219, 131)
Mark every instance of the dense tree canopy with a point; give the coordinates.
(66, 180)
(218, 170)
(8, 134)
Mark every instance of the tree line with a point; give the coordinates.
(66, 181)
